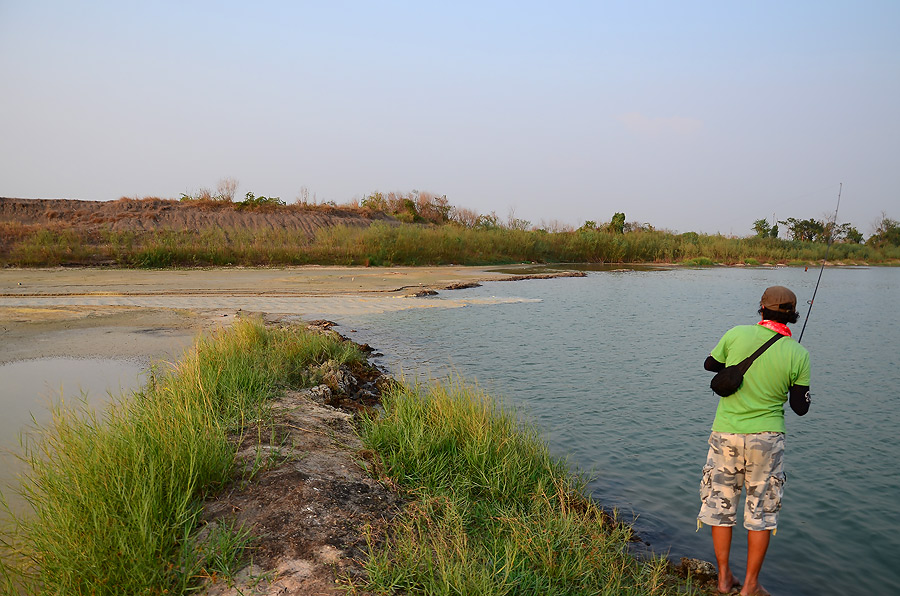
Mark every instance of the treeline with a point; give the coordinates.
(432, 232)
(383, 244)
(886, 233)
(426, 207)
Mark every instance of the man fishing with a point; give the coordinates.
(746, 446)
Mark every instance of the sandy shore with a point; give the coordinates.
(156, 314)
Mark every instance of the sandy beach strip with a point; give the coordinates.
(156, 314)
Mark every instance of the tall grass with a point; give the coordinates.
(115, 499)
(412, 244)
(491, 511)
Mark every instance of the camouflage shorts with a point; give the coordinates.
(736, 461)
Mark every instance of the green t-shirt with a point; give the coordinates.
(758, 406)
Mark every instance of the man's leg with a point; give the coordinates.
(720, 489)
(721, 536)
(757, 545)
(765, 484)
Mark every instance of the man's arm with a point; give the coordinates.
(799, 399)
(713, 365)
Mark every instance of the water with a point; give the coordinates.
(29, 389)
(610, 368)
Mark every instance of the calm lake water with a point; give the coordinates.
(31, 388)
(610, 368)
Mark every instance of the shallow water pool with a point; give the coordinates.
(30, 389)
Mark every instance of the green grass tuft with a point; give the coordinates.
(699, 262)
(491, 511)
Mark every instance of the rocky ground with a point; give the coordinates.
(305, 492)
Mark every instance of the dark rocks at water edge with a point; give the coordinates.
(543, 276)
(701, 571)
(462, 285)
(465, 285)
(421, 294)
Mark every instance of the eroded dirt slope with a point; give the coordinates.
(152, 214)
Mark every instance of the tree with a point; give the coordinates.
(848, 233)
(433, 208)
(805, 230)
(887, 232)
(488, 222)
(762, 228)
(636, 226)
(374, 202)
(514, 223)
(617, 223)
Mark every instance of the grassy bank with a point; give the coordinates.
(115, 499)
(383, 245)
(491, 511)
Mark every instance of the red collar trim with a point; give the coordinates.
(776, 327)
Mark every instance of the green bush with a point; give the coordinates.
(699, 262)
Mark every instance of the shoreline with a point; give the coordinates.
(111, 329)
(156, 314)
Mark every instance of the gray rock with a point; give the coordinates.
(319, 394)
(337, 377)
(702, 570)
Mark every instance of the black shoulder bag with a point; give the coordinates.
(729, 379)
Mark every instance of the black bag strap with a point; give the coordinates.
(744, 365)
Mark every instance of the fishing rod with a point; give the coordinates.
(827, 246)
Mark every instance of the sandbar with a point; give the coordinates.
(156, 314)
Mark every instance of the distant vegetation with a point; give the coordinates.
(432, 232)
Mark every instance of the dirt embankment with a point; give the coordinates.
(313, 505)
(141, 215)
(310, 502)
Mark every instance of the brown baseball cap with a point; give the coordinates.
(779, 298)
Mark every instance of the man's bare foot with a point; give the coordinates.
(727, 584)
(757, 590)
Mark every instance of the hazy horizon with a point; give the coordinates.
(692, 117)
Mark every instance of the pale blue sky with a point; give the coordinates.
(689, 115)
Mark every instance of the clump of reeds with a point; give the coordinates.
(383, 244)
(491, 512)
(114, 499)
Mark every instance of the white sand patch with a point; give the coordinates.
(309, 306)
